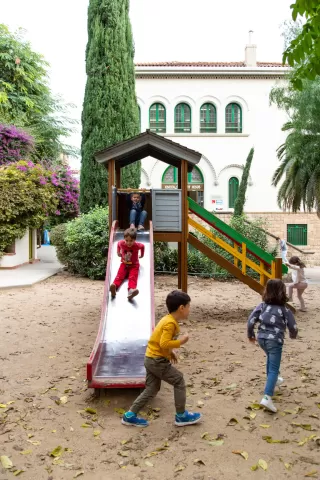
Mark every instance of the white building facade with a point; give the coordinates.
(221, 110)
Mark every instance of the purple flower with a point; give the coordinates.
(22, 168)
(57, 212)
(42, 181)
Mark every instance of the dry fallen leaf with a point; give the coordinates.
(86, 425)
(232, 422)
(123, 454)
(270, 440)
(198, 461)
(305, 426)
(34, 442)
(18, 472)
(149, 464)
(312, 474)
(56, 452)
(96, 433)
(263, 464)
(6, 462)
(90, 410)
(179, 468)
(288, 466)
(264, 426)
(200, 404)
(25, 452)
(216, 443)
(78, 474)
(63, 400)
(254, 467)
(243, 454)
(254, 406)
(2, 405)
(121, 411)
(205, 436)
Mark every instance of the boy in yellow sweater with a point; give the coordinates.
(158, 363)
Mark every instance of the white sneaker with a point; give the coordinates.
(279, 381)
(268, 403)
(132, 293)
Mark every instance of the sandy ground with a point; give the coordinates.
(47, 333)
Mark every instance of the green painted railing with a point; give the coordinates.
(235, 236)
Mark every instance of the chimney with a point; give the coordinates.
(251, 53)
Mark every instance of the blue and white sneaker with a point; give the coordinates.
(131, 419)
(187, 418)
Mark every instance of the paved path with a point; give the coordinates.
(28, 275)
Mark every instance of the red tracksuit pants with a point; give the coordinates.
(130, 271)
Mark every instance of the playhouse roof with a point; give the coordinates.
(148, 144)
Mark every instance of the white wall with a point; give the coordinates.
(21, 255)
(224, 154)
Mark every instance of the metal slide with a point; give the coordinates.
(125, 327)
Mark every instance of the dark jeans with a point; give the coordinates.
(137, 218)
(273, 350)
(161, 369)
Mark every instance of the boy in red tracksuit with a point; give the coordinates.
(128, 250)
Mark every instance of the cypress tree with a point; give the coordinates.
(241, 197)
(110, 111)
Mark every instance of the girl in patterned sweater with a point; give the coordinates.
(273, 318)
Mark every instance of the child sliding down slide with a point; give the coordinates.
(128, 249)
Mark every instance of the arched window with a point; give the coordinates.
(182, 118)
(233, 191)
(170, 175)
(208, 118)
(157, 118)
(233, 118)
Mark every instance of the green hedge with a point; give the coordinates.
(82, 243)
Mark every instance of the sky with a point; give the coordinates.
(210, 30)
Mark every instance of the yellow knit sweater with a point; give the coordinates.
(162, 341)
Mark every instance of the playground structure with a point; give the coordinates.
(116, 360)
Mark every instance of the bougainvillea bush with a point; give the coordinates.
(15, 144)
(67, 191)
(27, 198)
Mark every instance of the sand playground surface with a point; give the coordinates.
(53, 428)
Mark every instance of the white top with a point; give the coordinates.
(298, 275)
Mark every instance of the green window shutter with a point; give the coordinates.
(182, 118)
(233, 118)
(297, 234)
(157, 118)
(233, 191)
(208, 118)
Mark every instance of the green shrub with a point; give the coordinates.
(81, 244)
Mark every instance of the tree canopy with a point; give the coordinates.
(299, 169)
(303, 51)
(110, 110)
(26, 99)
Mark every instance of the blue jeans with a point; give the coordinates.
(273, 350)
(137, 218)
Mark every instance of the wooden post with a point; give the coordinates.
(118, 176)
(244, 258)
(185, 228)
(235, 259)
(278, 268)
(262, 276)
(111, 183)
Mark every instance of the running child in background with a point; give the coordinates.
(137, 215)
(158, 363)
(283, 249)
(273, 317)
(299, 281)
(128, 249)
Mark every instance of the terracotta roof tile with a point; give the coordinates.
(206, 64)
